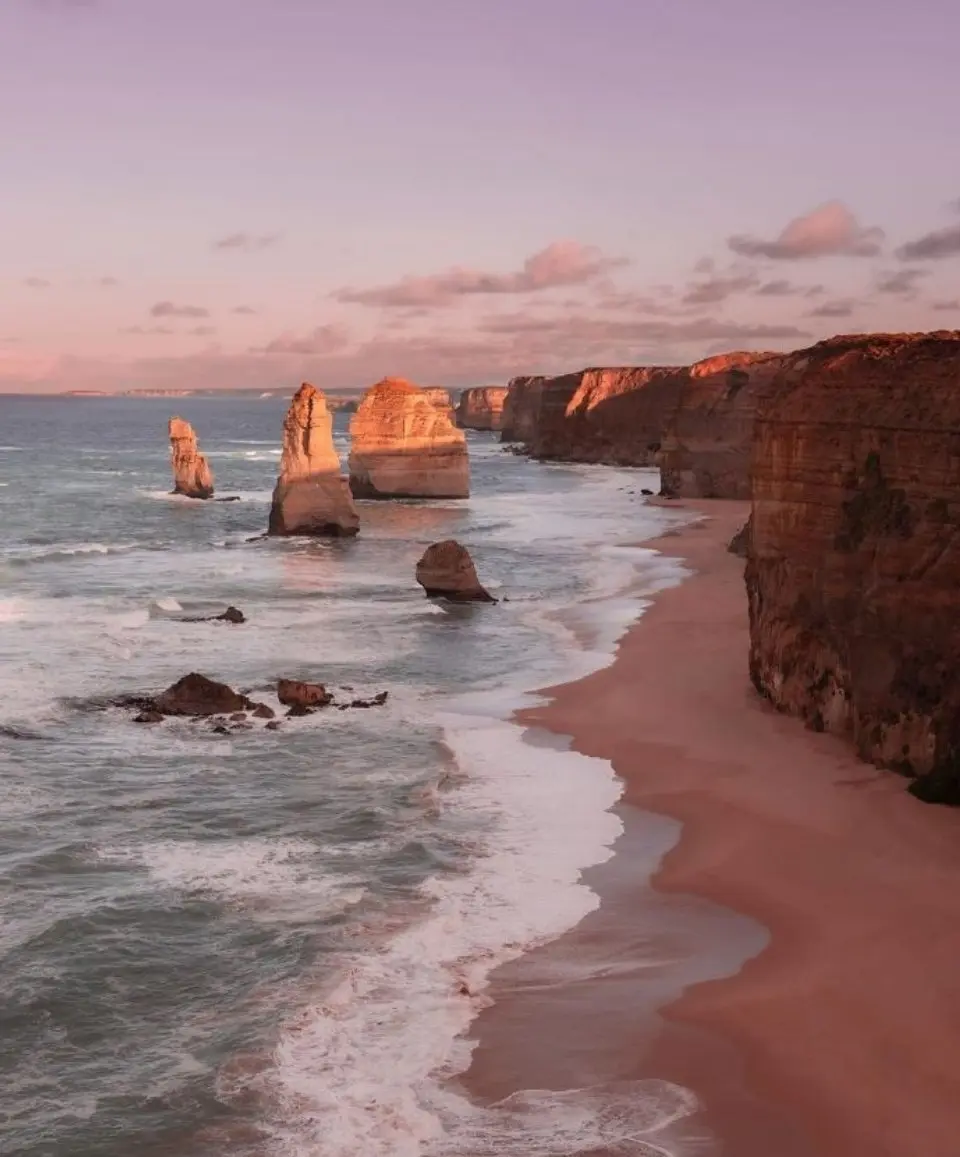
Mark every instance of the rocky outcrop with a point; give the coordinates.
(404, 445)
(853, 576)
(740, 543)
(311, 497)
(192, 475)
(521, 409)
(446, 571)
(708, 435)
(481, 408)
(293, 693)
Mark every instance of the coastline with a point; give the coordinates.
(786, 947)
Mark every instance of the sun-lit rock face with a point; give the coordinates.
(481, 408)
(192, 475)
(707, 437)
(311, 497)
(404, 445)
(853, 567)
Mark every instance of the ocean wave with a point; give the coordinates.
(61, 552)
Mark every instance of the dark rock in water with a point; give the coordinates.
(299, 709)
(229, 498)
(10, 732)
(230, 615)
(377, 701)
(446, 571)
(148, 717)
(238, 717)
(740, 543)
(262, 711)
(221, 729)
(645, 490)
(273, 725)
(195, 694)
(293, 693)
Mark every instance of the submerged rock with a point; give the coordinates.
(446, 571)
(293, 693)
(195, 695)
(404, 445)
(230, 615)
(192, 475)
(311, 497)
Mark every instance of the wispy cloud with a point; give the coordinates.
(563, 263)
(902, 283)
(944, 306)
(171, 309)
(247, 242)
(829, 230)
(148, 330)
(780, 287)
(36, 282)
(203, 330)
(932, 246)
(717, 289)
(840, 308)
(108, 282)
(325, 339)
(244, 310)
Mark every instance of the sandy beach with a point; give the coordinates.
(779, 928)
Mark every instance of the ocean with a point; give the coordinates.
(273, 943)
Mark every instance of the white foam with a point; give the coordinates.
(363, 1072)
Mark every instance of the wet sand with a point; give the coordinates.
(779, 928)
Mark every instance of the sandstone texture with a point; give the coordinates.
(853, 575)
(192, 475)
(311, 497)
(404, 445)
(708, 434)
(481, 408)
(446, 570)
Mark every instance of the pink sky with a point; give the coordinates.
(249, 192)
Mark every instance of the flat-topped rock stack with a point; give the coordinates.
(192, 475)
(853, 568)
(404, 445)
(481, 408)
(311, 497)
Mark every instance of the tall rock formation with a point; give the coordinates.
(521, 409)
(853, 574)
(446, 571)
(405, 445)
(311, 497)
(192, 475)
(481, 408)
(708, 435)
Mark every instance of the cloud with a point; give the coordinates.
(169, 309)
(244, 310)
(145, 330)
(36, 282)
(829, 230)
(325, 339)
(588, 331)
(203, 330)
(560, 264)
(903, 282)
(108, 282)
(247, 242)
(718, 289)
(842, 308)
(932, 246)
(780, 287)
(943, 306)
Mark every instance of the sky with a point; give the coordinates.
(250, 193)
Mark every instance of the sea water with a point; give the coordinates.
(274, 942)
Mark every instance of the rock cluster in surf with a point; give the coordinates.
(192, 475)
(404, 444)
(853, 574)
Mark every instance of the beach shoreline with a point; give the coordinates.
(786, 949)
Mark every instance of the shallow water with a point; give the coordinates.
(259, 943)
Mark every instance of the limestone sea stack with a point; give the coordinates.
(708, 434)
(853, 568)
(404, 445)
(192, 475)
(311, 497)
(446, 571)
(481, 408)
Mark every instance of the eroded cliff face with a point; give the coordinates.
(614, 416)
(310, 496)
(708, 435)
(853, 575)
(404, 445)
(192, 475)
(481, 408)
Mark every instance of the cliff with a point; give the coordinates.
(310, 496)
(708, 435)
(521, 409)
(404, 445)
(481, 408)
(192, 475)
(853, 575)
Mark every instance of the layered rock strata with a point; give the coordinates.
(446, 570)
(708, 435)
(311, 497)
(853, 575)
(192, 475)
(404, 445)
(481, 408)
